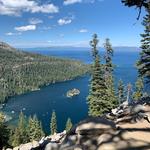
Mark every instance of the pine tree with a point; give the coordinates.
(109, 79)
(20, 133)
(35, 131)
(129, 93)
(4, 132)
(53, 124)
(120, 92)
(15, 139)
(22, 128)
(144, 62)
(137, 95)
(68, 125)
(97, 98)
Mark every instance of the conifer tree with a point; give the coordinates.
(138, 89)
(4, 132)
(129, 93)
(20, 133)
(120, 92)
(53, 124)
(15, 139)
(68, 125)
(35, 131)
(97, 98)
(22, 128)
(144, 62)
(109, 79)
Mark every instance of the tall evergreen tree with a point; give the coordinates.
(138, 89)
(109, 78)
(35, 131)
(20, 133)
(120, 92)
(15, 139)
(4, 132)
(22, 128)
(53, 124)
(144, 62)
(97, 98)
(129, 93)
(68, 124)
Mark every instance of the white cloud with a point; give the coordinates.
(64, 21)
(48, 8)
(35, 21)
(69, 2)
(83, 30)
(11, 33)
(17, 7)
(25, 28)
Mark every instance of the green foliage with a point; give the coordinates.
(129, 93)
(4, 132)
(120, 93)
(21, 72)
(34, 129)
(15, 139)
(97, 98)
(20, 134)
(139, 86)
(53, 124)
(68, 125)
(137, 3)
(108, 75)
(144, 62)
(24, 133)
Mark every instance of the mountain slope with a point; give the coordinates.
(22, 71)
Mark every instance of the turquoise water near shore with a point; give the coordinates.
(53, 97)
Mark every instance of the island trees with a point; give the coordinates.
(98, 98)
(53, 124)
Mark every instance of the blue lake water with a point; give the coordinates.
(53, 97)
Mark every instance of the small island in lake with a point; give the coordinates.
(73, 92)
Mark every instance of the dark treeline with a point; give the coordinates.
(21, 71)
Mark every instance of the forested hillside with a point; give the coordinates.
(22, 71)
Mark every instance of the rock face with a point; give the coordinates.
(125, 128)
(86, 135)
(129, 128)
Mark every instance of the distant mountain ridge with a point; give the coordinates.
(21, 71)
(69, 48)
(6, 46)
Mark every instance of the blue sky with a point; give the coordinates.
(42, 23)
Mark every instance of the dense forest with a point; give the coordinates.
(21, 72)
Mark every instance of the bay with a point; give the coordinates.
(53, 97)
